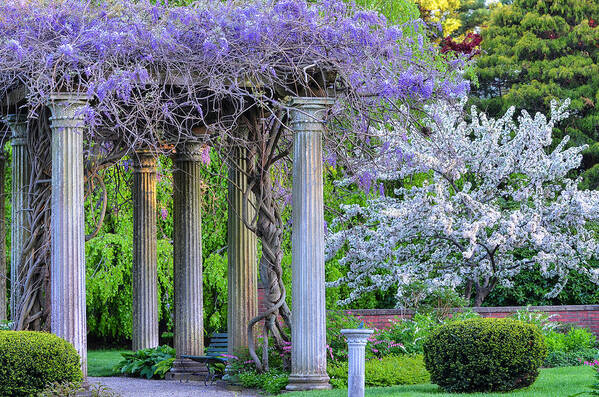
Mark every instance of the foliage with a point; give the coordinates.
(336, 343)
(109, 255)
(574, 340)
(595, 387)
(568, 359)
(272, 381)
(31, 361)
(530, 288)
(537, 51)
(150, 363)
(109, 295)
(389, 370)
(74, 389)
(444, 13)
(491, 203)
(552, 382)
(484, 355)
(541, 320)
(411, 333)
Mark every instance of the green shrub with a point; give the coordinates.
(150, 363)
(387, 371)
(567, 359)
(272, 381)
(30, 361)
(574, 340)
(411, 333)
(484, 354)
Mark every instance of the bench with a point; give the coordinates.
(216, 353)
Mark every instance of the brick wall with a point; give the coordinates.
(582, 315)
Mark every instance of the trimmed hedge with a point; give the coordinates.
(485, 354)
(31, 361)
(386, 371)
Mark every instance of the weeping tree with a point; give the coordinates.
(218, 73)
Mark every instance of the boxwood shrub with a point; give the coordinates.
(31, 361)
(484, 354)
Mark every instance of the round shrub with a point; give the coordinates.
(30, 361)
(484, 354)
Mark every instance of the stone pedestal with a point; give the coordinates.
(187, 220)
(308, 333)
(145, 267)
(356, 341)
(67, 231)
(242, 258)
(21, 173)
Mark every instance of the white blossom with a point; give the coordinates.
(495, 200)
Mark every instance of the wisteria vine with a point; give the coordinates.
(221, 73)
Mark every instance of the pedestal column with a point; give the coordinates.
(21, 172)
(145, 267)
(241, 255)
(308, 333)
(187, 222)
(356, 341)
(67, 231)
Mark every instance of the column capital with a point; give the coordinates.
(358, 336)
(188, 151)
(18, 128)
(307, 112)
(66, 109)
(144, 160)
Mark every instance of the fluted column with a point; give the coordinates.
(308, 332)
(145, 265)
(356, 341)
(187, 249)
(21, 172)
(67, 231)
(241, 255)
(3, 275)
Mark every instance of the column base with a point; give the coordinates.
(185, 369)
(308, 382)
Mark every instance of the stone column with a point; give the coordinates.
(187, 222)
(67, 231)
(3, 275)
(145, 267)
(21, 172)
(241, 255)
(356, 341)
(308, 332)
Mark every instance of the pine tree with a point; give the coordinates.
(534, 51)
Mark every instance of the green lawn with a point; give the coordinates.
(100, 362)
(553, 382)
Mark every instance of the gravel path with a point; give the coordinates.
(135, 387)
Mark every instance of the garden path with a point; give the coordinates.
(135, 387)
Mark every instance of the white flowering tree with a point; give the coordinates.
(492, 200)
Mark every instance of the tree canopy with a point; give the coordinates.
(536, 51)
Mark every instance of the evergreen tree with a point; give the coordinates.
(538, 50)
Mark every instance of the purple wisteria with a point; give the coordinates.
(157, 73)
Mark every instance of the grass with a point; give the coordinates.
(101, 362)
(553, 382)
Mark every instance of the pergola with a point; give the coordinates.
(68, 307)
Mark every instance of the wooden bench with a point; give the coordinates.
(216, 353)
